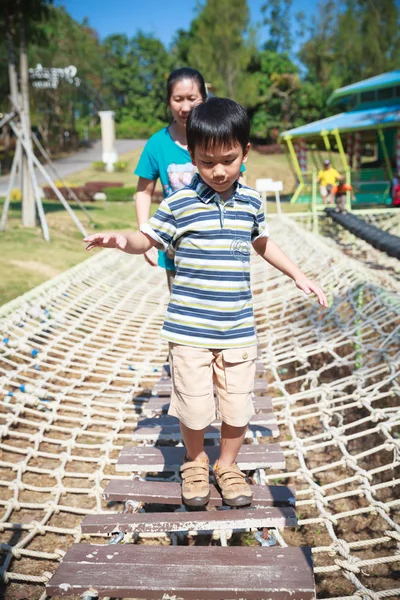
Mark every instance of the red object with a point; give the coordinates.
(344, 187)
(396, 195)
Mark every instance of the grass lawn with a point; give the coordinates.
(27, 260)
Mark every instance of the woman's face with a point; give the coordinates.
(185, 95)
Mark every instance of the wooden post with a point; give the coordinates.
(16, 164)
(28, 200)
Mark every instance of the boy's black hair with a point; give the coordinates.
(219, 122)
(186, 73)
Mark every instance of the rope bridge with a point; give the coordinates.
(79, 353)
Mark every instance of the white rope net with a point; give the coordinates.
(76, 351)
(357, 248)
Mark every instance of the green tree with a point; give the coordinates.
(367, 39)
(277, 17)
(317, 52)
(220, 46)
(137, 72)
(276, 79)
(69, 43)
(349, 40)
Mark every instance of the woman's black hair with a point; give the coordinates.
(219, 122)
(186, 73)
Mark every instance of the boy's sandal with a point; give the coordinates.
(195, 482)
(232, 483)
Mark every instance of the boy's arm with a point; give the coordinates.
(131, 243)
(271, 252)
(157, 233)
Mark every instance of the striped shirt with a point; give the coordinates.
(211, 303)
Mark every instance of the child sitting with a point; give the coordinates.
(212, 225)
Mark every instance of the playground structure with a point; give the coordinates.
(25, 162)
(371, 119)
(80, 354)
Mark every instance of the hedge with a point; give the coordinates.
(120, 194)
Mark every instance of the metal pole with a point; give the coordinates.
(314, 201)
(292, 152)
(341, 149)
(53, 187)
(385, 154)
(57, 174)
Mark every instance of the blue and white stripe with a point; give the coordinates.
(211, 302)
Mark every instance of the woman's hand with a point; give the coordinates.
(106, 240)
(308, 287)
(151, 256)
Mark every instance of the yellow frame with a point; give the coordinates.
(292, 152)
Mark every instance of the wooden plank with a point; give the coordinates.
(168, 492)
(260, 367)
(167, 427)
(206, 520)
(194, 572)
(169, 458)
(158, 405)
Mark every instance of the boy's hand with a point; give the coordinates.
(106, 240)
(308, 286)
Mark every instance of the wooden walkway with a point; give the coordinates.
(181, 571)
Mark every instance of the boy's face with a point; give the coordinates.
(220, 167)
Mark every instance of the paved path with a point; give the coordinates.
(80, 160)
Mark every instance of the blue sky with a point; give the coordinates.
(159, 17)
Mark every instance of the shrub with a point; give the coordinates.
(268, 148)
(80, 192)
(99, 165)
(120, 194)
(92, 187)
(129, 128)
(120, 166)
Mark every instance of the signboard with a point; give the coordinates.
(50, 78)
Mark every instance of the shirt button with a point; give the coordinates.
(245, 355)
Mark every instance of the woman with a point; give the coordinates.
(165, 154)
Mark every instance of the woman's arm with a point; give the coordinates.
(145, 191)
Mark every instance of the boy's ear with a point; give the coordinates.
(192, 157)
(246, 153)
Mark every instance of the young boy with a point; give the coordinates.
(209, 324)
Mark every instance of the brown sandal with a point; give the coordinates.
(232, 483)
(195, 482)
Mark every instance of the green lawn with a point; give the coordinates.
(27, 260)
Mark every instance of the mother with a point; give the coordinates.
(165, 154)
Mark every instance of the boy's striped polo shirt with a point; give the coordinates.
(211, 302)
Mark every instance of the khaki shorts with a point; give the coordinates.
(195, 370)
(325, 190)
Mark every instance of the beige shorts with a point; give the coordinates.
(195, 370)
(325, 190)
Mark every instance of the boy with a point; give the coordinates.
(209, 324)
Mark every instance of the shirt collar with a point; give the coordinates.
(206, 194)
